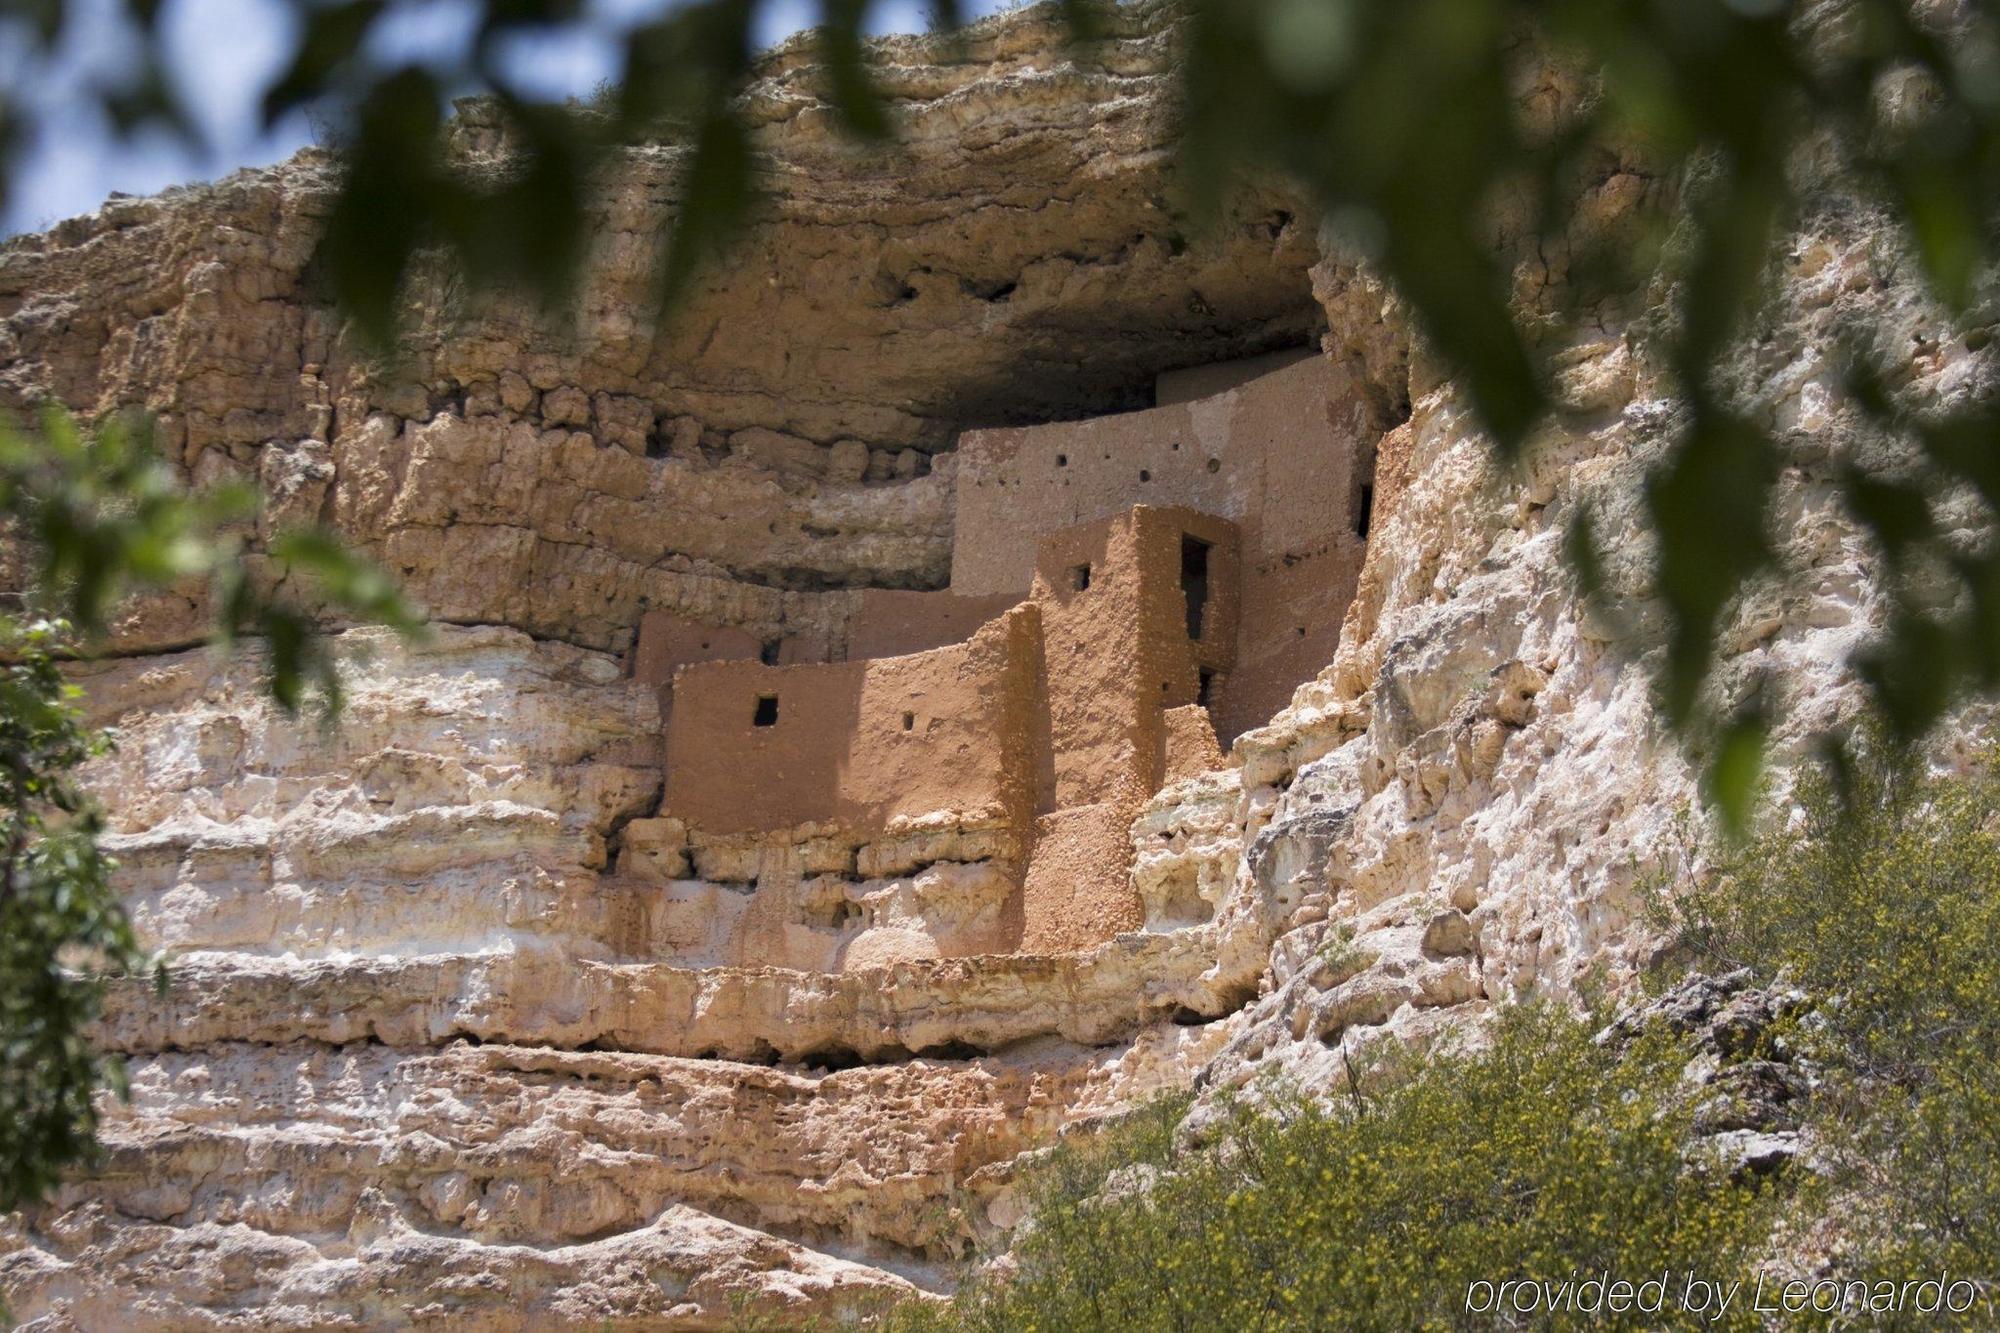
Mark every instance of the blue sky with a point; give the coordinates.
(224, 53)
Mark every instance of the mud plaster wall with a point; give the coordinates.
(1117, 658)
(666, 642)
(858, 744)
(888, 622)
(1285, 455)
(1188, 745)
(1078, 891)
(1055, 712)
(1117, 651)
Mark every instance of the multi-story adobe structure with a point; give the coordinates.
(1127, 595)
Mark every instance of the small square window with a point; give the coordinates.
(909, 722)
(1079, 577)
(767, 711)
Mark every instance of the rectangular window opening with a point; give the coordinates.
(767, 653)
(767, 711)
(1194, 582)
(1205, 687)
(1079, 577)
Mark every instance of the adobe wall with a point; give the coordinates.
(889, 622)
(1211, 378)
(666, 642)
(1188, 746)
(1117, 657)
(1283, 455)
(1078, 890)
(858, 744)
(1117, 650)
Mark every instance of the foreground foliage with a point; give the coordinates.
(1874, 904)
(1882, 901)
(56, 904)
(96, 516)
(1543, 1155)
(1408, 123)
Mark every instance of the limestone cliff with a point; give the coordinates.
(421, 1059)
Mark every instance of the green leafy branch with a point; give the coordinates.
(93, 517)
(1427, 133)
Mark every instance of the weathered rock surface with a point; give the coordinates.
(421, 1062)
(1481, 774)
(1019, 258)
(323, 1185)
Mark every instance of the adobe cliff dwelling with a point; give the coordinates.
(999, 653)
(952, 773)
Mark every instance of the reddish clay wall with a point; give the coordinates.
(1117, 657)
(1188, 744)
(1078, 890)
(666, 642)
(890, 622)
(1118, 651)
(858, 744)
(1280, 454)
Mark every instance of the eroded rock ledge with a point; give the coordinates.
(419, 1059)
(1019, 259)
(366, 1100)
(952, 1005)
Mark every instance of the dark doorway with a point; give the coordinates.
(1194, 582)
(767, 711)
(1364, 510)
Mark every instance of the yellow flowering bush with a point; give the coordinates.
(1881, 901)
(1542, 1156)
(1547, 1155)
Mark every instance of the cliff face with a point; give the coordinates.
(419, 1060)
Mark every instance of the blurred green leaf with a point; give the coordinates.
(1084, 18)
(1898, 513)
(101, 517)
(849, 86)
(332, 35)
(393, 197)
(715, 203)
(357, 587)
(1946, 227)
(1735, 774)
(1708, 502)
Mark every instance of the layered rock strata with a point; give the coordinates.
(420, 1061)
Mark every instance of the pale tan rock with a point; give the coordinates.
(624, 421)
(655, 849)
(566, 406)
(462, 1031)
(848, 461)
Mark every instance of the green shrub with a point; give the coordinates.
(1546, 1155)
(1881, 901)
(1543, 1155)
